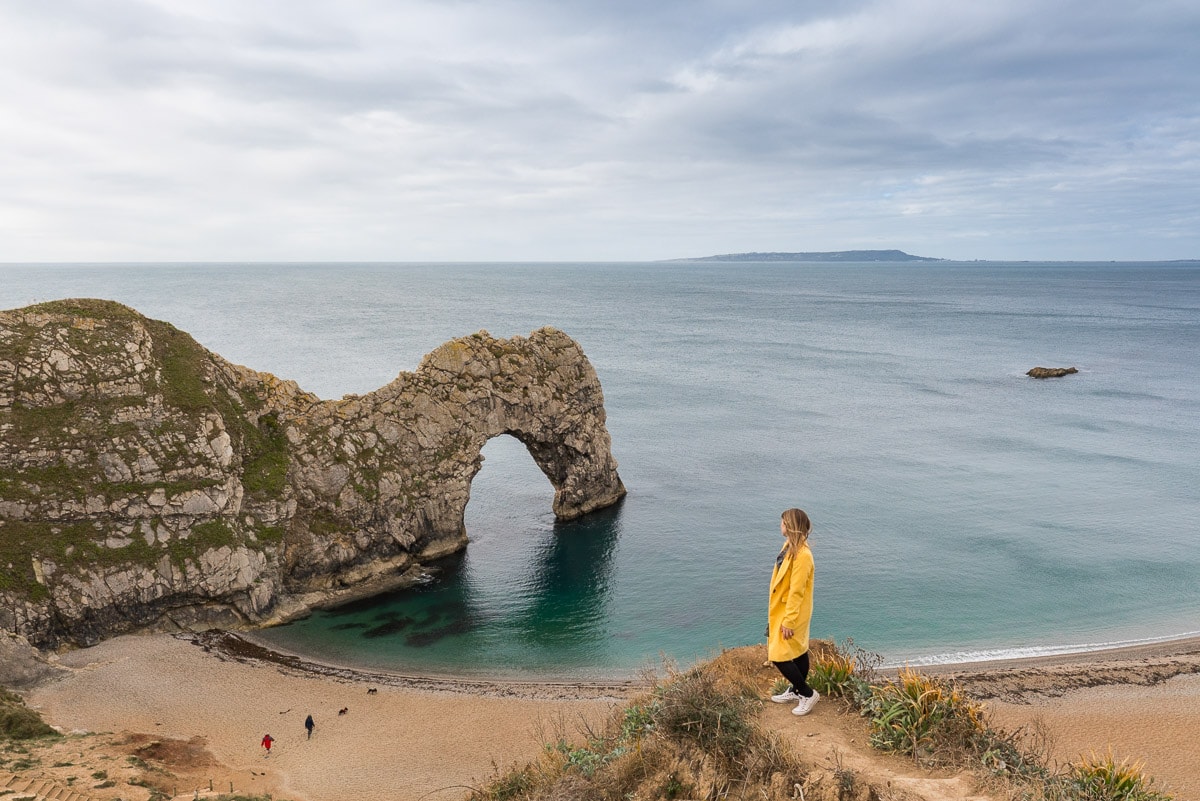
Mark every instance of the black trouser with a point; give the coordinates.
(796, 671)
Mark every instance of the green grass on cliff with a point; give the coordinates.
(206, 536)
(19, 722)
(266, 455)
(185, 385)
(86, 307)
(189, 382)
(76, 547)
(182, 361)
(70, 546)
(71, 436)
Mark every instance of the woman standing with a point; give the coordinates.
(790, 611)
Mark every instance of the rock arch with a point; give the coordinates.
(406, 454)
(147, 482)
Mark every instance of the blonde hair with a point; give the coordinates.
(796, 527)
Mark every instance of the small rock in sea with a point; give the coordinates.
(1051, 372)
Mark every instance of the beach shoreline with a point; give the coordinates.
(405, 736)
(245, 646)
(1165, 648)
(1143, 665)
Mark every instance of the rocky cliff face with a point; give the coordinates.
(146, 482)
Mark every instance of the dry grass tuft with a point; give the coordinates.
(694, 735)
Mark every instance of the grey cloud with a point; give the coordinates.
(919, 116)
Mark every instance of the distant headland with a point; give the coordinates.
(828, 256)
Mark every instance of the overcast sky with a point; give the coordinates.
(393, 130)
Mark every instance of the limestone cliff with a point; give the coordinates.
(147, 482)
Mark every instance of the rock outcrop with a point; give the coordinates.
(1050, 372)
(145, 482)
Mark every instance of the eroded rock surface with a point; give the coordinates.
(147, 482)
(1051, 372)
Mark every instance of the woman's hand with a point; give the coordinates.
(786, 632)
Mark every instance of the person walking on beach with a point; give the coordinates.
(789, 612)
(308, 724)
(266, 743)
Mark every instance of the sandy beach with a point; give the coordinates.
(1140, 703)
(395, 743)
(418, 738)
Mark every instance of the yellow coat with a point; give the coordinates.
(791, 605)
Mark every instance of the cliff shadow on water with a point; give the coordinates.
(571, 582)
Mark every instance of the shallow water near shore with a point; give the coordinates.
(961, 510)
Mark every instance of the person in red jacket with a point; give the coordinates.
(266, 743)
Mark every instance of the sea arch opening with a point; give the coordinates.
(525, 576)
(510, 499)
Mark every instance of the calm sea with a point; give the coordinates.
(961, 510)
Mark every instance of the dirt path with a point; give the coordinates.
(833, 738)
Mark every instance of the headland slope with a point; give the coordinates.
(145, 482)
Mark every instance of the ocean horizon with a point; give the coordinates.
(962, 511)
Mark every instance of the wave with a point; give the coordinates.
(1030, 651)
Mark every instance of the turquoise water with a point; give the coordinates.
(961, 510)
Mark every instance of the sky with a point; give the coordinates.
(614, 130)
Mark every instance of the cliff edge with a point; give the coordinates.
(145, 482)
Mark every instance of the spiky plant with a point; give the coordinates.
(1103, 778)
(831, 672)
(919, 714)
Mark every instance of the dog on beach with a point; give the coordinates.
(343, 710)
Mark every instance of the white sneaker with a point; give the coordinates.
(783, 698)
(806, 704)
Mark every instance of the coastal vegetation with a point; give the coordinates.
(702, 734)
(695, 734)
(19, 722)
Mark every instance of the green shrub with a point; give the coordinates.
(589, 758)
(694, 708)
(636, 721)
(18, 722)
(922, 716)
(513, 784)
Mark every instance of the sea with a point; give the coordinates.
(961, 510)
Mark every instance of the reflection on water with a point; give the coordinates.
(561, 602)
(570, 583)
